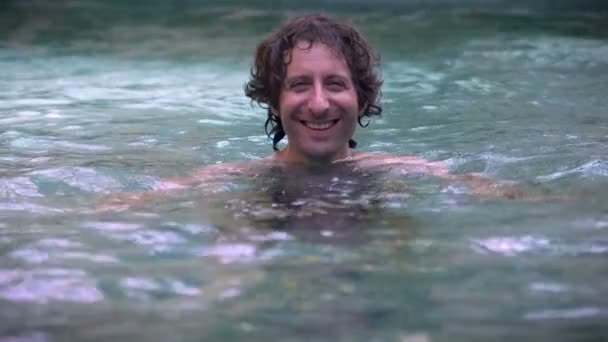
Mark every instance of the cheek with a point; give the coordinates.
(352, 103)
(288, 105)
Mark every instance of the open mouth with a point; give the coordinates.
(320, 125)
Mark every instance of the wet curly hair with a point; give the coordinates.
(272, 59)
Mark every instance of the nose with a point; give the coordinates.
(318, 103)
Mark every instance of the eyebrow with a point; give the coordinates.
(306, 77)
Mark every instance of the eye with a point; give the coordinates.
(298, 86)
(336, 85)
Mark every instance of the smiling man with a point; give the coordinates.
(317, 78)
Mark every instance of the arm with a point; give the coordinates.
(485, 186)
(477, 183)
(163, 189)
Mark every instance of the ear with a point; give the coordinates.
(275, 112)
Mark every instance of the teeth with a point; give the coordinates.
(319, 125)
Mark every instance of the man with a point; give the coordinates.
(317, 78)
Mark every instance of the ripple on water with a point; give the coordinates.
(42, 145)
(33, 102)
(222, 144)
(17, 187)
(111, 227)
(157, 240)
(71, 146)
(143, 288)
(561, 52)
(568, 52)
(491, 160)
(584, 248)
(475, 85)
(231, 253)
(86, 179)
(510, 246)
(215, 122)
(30, 208)
(591, 223)
(33, 337)
(54, 249)
(192, 228)
(410, 79)
(574, 313)
(30, 145)
(596, 167)
(50, 284)
(21, 117)
(513, 246)
(548, 287)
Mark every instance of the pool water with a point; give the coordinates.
(101, 99)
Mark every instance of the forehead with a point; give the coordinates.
(315, 55)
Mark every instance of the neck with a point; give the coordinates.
(290, 155)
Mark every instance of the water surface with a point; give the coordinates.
(99, 99)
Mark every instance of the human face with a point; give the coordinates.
(318, 105)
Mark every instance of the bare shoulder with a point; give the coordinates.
(401, 164)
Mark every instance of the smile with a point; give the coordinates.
(320, 126)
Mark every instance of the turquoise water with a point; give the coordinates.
(99, 99)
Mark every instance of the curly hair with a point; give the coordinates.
(272, 58)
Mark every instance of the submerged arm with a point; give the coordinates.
(163, 189)
(476, 182)
(485, 186)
